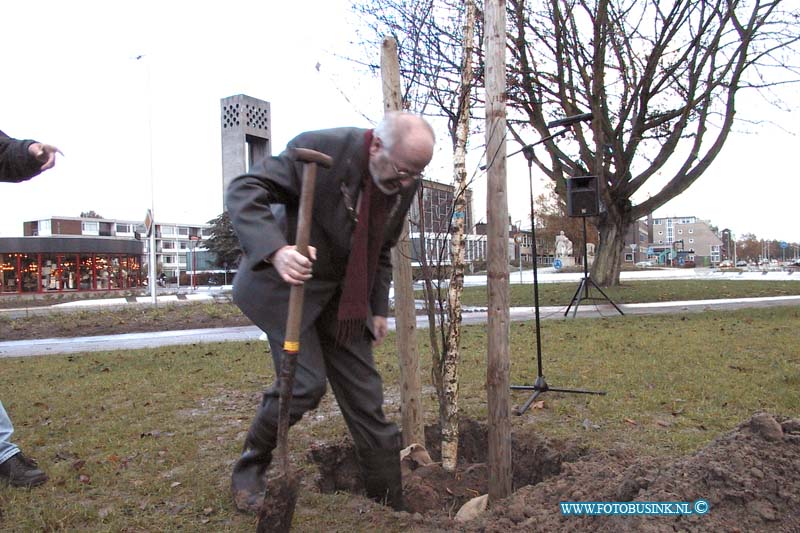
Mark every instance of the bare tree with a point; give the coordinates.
(448, 370)
(661, 79)
(436, 52)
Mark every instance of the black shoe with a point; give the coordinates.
(20, 471)
(382, 478)
(248, 481)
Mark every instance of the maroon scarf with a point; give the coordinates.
(364, 252)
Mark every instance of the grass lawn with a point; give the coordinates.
(138, 318)
(639, 291)
(144, 440)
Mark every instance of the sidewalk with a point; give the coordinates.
(131, 341)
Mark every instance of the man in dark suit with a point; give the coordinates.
(360, 205)
(20, 160)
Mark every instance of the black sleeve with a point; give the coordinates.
(16, 164)
(275, 180)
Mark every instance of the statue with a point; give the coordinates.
(563, 245)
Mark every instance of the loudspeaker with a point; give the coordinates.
(583, 199)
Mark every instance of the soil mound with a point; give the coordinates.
(750, 478)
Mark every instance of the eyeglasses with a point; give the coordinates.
(403, 174)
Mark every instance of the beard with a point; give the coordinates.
(388, 186)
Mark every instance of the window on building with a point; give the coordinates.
(9, 275)
(183, 231)
(124, 229)
(167, 230)
(168, 245)
(207, 232)
(45, 228)
(90, 228)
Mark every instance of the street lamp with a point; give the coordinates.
(152, 242)
(518, 240)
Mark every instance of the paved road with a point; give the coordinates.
(131, 341)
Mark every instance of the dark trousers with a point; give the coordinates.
(350, 370)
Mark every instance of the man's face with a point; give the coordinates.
(392, 172)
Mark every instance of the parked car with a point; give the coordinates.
(726, 264)
(644, 264)
(741, 263)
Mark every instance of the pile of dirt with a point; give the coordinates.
(750, 478)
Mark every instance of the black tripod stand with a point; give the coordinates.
(539, 386)
(583, 289)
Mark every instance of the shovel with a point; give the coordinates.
(280, 499)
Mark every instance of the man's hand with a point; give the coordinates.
(380, 328)
(294, 267)
(44, 154)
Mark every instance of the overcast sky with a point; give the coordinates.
(70, 77)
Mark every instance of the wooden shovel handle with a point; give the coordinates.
(311, 159)
(291, 343)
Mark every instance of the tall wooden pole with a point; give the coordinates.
(404, 311)
(497, 372)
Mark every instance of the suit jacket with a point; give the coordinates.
(263, 209)
(16, 164)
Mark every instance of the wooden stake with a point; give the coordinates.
(497, 372)
(404, 311)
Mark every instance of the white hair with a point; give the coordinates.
(396, 125)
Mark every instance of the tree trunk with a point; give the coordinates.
(448, 399)
(613, 227)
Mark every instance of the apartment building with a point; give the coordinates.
(684, 241)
